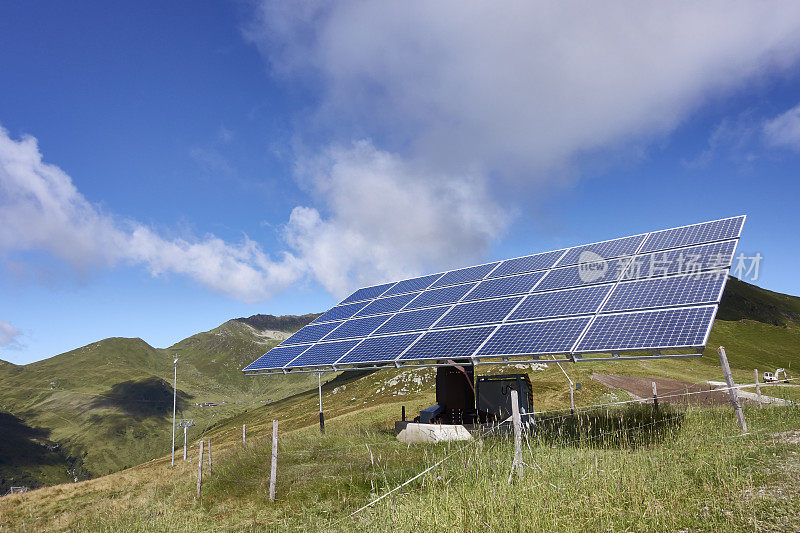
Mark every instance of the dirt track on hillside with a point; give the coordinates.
(669, 390)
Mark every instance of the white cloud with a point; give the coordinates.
(784, 130)
(467, 98)
(386, 218)
(523, 87)
(41, 209)
(9, 335)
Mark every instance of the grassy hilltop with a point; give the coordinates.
(108, 405)
(619, 468)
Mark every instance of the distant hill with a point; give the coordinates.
(108, 405)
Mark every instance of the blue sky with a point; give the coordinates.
(165, 167)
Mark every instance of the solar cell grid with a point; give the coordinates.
(688, 260)
(646, 330)
(485, 312)
(448, 344)
(311, 333)
(325, 353)
(380, 349)
(492, 288)
(367, 293)
(276, 358)
(465, 274)
(357, 327)
(446, 295)
(412, 285)
(527, 264)
(340, 312)
(717, 230)
(531, 338)
(416, 320)
(666, 292)
(387, 305)
(567, 302)
(606, 250)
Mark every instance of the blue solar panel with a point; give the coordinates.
(584, 274)
(325, 353)
(276, 358)
(567, 302)
(412, 285)
(417, 320)
(340, 312)
(605, 250)
(380, 349)
(357, 327)
(311, 333)
(492, 288)
(531, 338)
(683, 260)
(647, 330)
(527, 264)
(467, 314)
(671, 287)
(465, 274)
(667, 292)
(367, 293)
(387, 305)
(446, 295)
(718, 230)
(448, 344)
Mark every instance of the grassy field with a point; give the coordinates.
(625, 468)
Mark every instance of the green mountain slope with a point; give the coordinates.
(108, 405)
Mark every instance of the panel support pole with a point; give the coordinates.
(733, 392)
(321, 414)
(571, 400)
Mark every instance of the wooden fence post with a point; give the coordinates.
(733, 392)
(274, 468)
(516, 466)
(209, 457)
(758, 390)
(655, 396)
(244, 433)
(200, 470)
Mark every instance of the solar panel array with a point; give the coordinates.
(645, 293)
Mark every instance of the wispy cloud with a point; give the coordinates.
(41, 209)
(784, 130)
(9, 335)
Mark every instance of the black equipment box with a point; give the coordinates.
(494, 395)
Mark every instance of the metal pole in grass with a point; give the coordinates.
(655, 396)
(758, 390)
(516, 466)
(273, 471)
(733, 392)
(200, 470)
(321, 414)
(174, 405)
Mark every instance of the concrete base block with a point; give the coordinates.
(413, 433)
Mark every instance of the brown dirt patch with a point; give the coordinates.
(669, 390)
